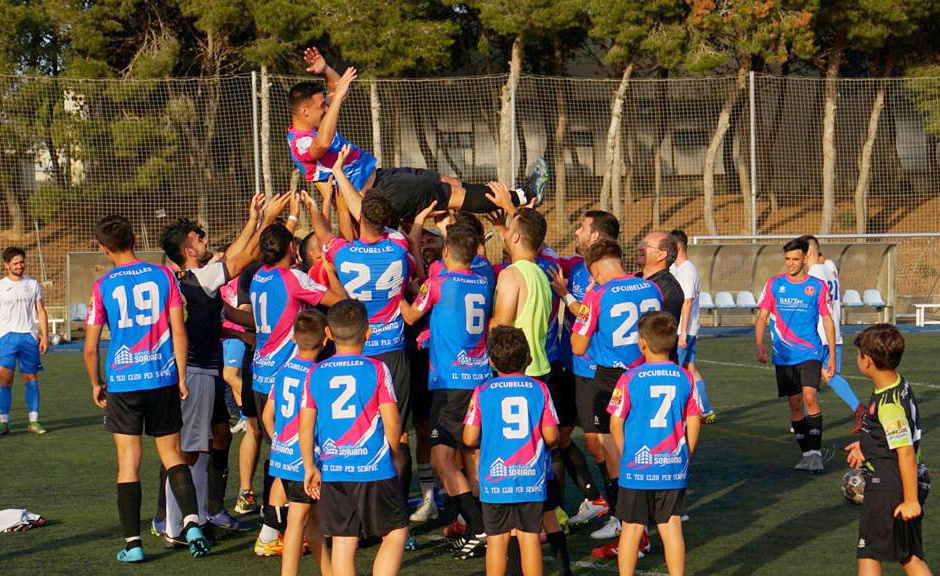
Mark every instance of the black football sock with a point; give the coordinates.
(282, 512)
(471, 512)
(403, 465)
(267, 481)
(128, 501)
(451, 508)
(514, 562)
(814, 431)
(160, 514)
(577, 467)
(612, 488)
(218, 478)
(558, 468)
(800, 432)
(559, 545)
(181, 484)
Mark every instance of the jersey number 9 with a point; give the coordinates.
(515, 411)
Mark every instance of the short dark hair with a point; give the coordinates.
(309, 329)
(604, 223)
(810, 241)
(12, 252)
(274, 242)
(883, 343)
(668, 245)
(301, 92)
(601, 250)
(680, 237)
(304, 247)
(796, 244)
(175, 237)
(532, 227)
(462, 243)
(464, 218)
(115, 233)
(508, 349)
(348, 321)
(376, 211)
(659, 330)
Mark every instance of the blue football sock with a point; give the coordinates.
(6, 400)
(32, 396)
(842, 388)
(703, 396)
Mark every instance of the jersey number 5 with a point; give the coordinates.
(146, 301)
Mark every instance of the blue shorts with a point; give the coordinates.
(233, 350)
(825, 358)
(687, 354)
(23, 347)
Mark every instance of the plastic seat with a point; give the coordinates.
(746, 300)
(78, 311)
(872, 297)
(705, 301)
(724, 301)
(852, 299)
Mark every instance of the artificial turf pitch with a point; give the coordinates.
(751, 513)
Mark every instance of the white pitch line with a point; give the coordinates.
(858, 378)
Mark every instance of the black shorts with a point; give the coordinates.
(248, 401)
(593, 398)
(362, 508)
(400, 368)
(295, 492)
(792, 379)
(883, 537)
(561, 386)
(219, 409)
(448, 410)
(502, 518)
(156, 412)
(411, 190)
(420, 396)
(649, 506)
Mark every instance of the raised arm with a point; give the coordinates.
(350, 195)
(327, 129)
(237, 255)
(316, 64)
(320, 225)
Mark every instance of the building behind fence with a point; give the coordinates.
(72, 151)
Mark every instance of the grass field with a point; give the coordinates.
(751, 513)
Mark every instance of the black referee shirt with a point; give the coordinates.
(673, 298)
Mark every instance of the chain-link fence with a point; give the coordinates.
(712, 155)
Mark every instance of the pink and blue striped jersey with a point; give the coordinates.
(135, 301)
(610, 315)
(286, 394)
(375, 274)
(277, 296)
(578, 281)
(346, 392)
(359, 164)
(654, 400)
(548, 260)
(480, 265)
(510, 411)
(460, 303)
(795, 309)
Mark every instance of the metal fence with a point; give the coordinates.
(73, 150)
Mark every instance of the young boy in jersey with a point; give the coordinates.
(24, 337)
(350, 402)
(889, 527)
(513, 420)
(145, 377)
(654, 421)
(315, 142)
(282, 416)
(459, 303)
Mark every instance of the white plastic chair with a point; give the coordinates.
(746, 300)
(705, 301)
(852, 299)
(724, 301)
(872, 297)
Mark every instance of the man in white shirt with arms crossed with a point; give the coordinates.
(687, 275)
(21, 340)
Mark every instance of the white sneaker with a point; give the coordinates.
(815, 462)
(588, 511)
(804, 462)
(239, 426)
(425, 512)
(609, 530)
(684, 518)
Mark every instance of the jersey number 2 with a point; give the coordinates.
(340, 409)
(146, 301)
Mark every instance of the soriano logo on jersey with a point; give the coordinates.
(331, 450)
(643, 456)
(499, 470)
(123, 356)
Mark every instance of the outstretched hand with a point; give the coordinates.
(256, 208)
(316, 63)
(341, 159)
(342, 86)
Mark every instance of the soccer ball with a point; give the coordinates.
(56, 339)
(853, 486)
